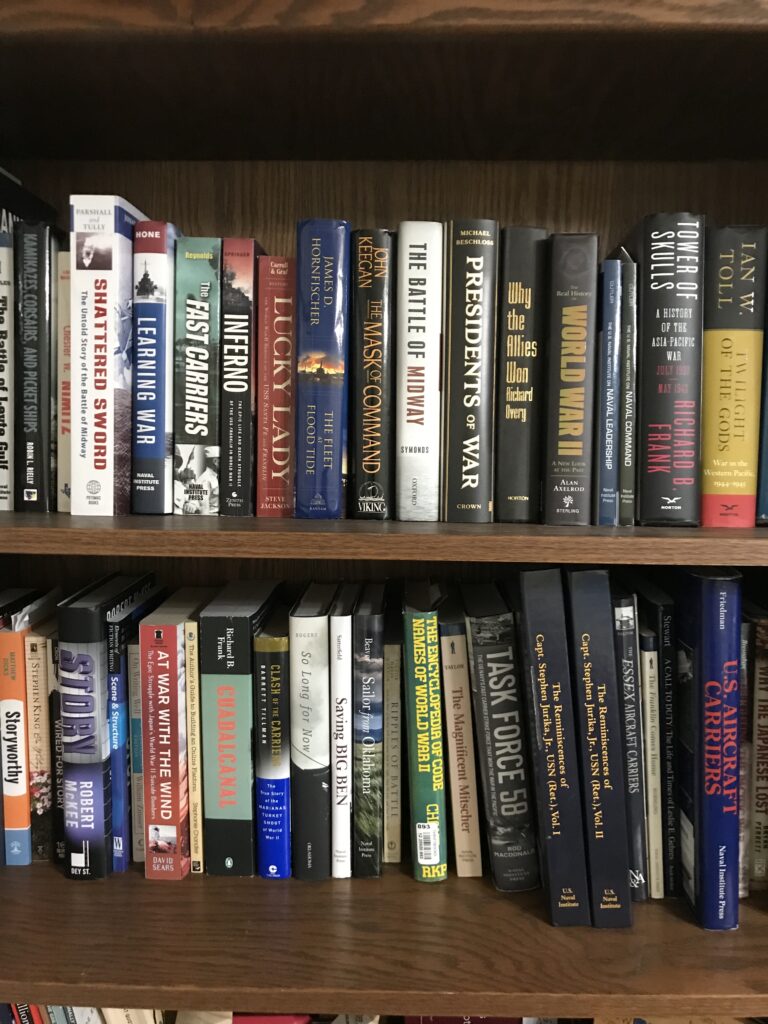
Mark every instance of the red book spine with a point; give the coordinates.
(163, 710)
(276, 362)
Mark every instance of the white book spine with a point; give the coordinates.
(419, 336)
(649, 674)
(6, 373)
(759, 858)
(137, 771)
(341, 745)
(101, 288)
(393, 770)
(64, 386)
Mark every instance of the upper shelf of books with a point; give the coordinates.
(340, 79)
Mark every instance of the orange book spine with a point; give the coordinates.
(14, 748)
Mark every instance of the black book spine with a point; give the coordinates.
(553, 743)
(368, 718)
(628, 668)
(669, 368)
(628, 429)
(520, 375)
(572, 354)
(32, 373)
(601, 741)
(57, 762)
(469, 371)
(372, 417)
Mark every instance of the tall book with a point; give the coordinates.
(35, 254)
(7, 371)
(372, 413)
(649, 677)
(745, 752)
(520, 374)
(311, 733)
(457, 694)
(196, 377)
(154, 276)
(276, 368)
(758, 859)
(195, 741)
(368, 731)
(101, 278)
(499, 715)
(41, 720)
(138, 836)
(227, 629)
(419, 355)
(424, 722)
(322, 343)
(238, 375)
(553, 746)
(572, 321)
(734, 316)
(393, 733)
(341, 661)
(627, 438)
(671, 258)
(63, 379)
(607, 455)
(469, 370)
(273, 747)
(709, 615)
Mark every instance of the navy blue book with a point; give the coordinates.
(607, 454)
(709, 631)
(322, 343)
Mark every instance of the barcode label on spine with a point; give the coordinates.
(428, 842)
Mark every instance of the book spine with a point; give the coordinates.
(276, 368)
(628, 423)
(606, 490)
(310, 748)
(665, 632)
(56, 740)
(469, 370)
(226, 691)
(101, 285)
(7, 372)
(572, 318)
(745, 754)
(759, 852)
(194, 748)
(342, 748)
(393, 773)
(32, 372)
(87, 776)
(117, 667)
(734, 315)
(38, 730)
(520, 375)
(669, 362)
(138, 831)
(273, 764)
(372, 416)
(368, 747)
(196, 377)
(154, 260)
(63, 385)
(322, 342)
(419, 353)
(166, 793)
(649, 675)
(238, 376)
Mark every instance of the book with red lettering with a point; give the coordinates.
(164, 719)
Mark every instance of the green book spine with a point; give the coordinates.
(424, 719)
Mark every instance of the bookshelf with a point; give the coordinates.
(578, 115)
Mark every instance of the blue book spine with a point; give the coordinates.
(608, 458)
(322, 330)
(273, 758)
(117, 665)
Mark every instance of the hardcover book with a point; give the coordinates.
(7, 371)
(41, 711)
(195, 741)
(18, 203)
(393, 733)
(63, 378)
(368, 731)
(607, 456)
(627, 442)
(138, 845)
(746, 760)
(649, 677)
(341, 654)
(758, 858)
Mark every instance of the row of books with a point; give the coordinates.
(478, 373)
(598, 733)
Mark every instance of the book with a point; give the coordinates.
(671, 258)
(709, 622)
(734, 316)
(746, 651)
(553, 747)
(276, 368)
(372, 457)
(758, 859)
(227, 629)
(607, 454)
(311, 733)
(196, 377)
(599, 728)
(341, 660)
(368, 731)
(628, 371)
(56, 742)
(154, 293)
(470, 267)
(457, 701)
(651, 706)
(419, 355)
(7, 371)
(195, 742)
(101, 276)
(424, 732)
(35, 253)
(520, 374)
(41, 712)
(238, 375)
(63, 379)
(138, 831)
(322, 343)
(18, 203)
(571, 379)
(393, 733)
(273, 750)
